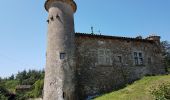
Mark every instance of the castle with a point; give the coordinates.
(79, 65)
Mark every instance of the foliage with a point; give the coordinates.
(11, 77)
(37, 89)
(0, 79)
(162, 92)
(21, 96)
(10, 85)
(139, 90)
(38, 85)
(166, 53)
(2, 97)
(3, 92)
(30, 77)
(35, 92)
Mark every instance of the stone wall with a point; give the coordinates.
(107, 63)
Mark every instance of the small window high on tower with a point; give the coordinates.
(62, 55)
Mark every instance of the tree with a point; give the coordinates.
(166, 53)
(30, 77)
(0, 79)
(21, 76)
(12, 77)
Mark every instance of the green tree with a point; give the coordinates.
(0, 79)
(12, 77)
(30, 77)
(166, 53)
(21, 76)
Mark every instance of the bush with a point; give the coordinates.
(37, 89)
(3, 92)
(35, 92)
(10, 85)
(162, 92)
(2, 97)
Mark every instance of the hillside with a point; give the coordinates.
(140, 90)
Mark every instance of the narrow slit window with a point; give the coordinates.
(63, 95)
(62, 55)
(119, 59)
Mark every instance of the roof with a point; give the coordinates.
(77, 34)
(71, 2)
(19, 87)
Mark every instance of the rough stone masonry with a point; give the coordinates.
(79, 65)
(60, 63)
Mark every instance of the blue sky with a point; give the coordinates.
(23, 26)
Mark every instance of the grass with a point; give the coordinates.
(139, 90)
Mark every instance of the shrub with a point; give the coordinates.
(3, 92)
(2, 97)
(162, 92)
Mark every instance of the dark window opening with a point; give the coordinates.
(48, 21)
(52, 19)
(136, 61)
(138, 58)
(57, 16)
(63, 95)
(135, 54)
(141, 61)
(119, 59)
(140, 54)
(62, 55)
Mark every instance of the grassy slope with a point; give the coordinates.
(139, 90)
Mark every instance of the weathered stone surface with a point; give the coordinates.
(60, 64)
(81, 65)
(96, 78)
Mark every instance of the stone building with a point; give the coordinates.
(105, 63)
(80, 65)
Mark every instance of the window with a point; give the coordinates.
(63, 95)
(138, 58)
(62, 55)
(104, 57)
(119, 59)
(101, 58)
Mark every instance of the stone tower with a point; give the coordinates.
(60, 65)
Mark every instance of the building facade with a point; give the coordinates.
(105, 63)
(80, 65)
